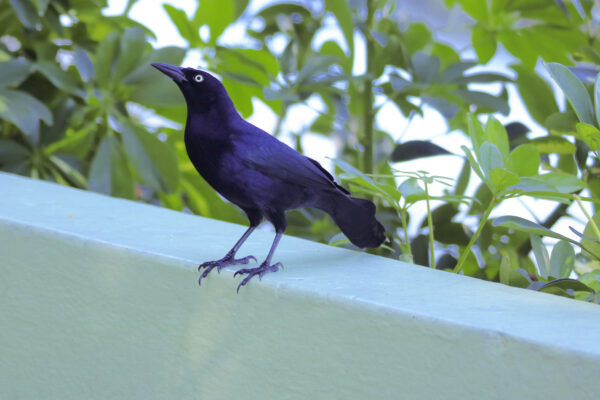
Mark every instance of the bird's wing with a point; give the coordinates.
(264, 153)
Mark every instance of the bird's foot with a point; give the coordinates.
(260, 271)
(229, 259)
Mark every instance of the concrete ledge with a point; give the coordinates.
(99, 299)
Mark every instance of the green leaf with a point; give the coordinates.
(341, 11)
(261, 60)
(455, 71)
(597, 97)
(425, 67)
(240, 6)
(498, 6)
(463, 179)
(315, 65)
(519, 46)
(476, 133)
(414, 149)
(589, 134)
(216, 14)
(109, 171)
(562, 259)
(106, 54)
(59, 78)
(490, 158)
(589, 232)
(536, 93)
(496, 135)
(42, 6)
(554, 44)
(411, 190)
(521, 224)
(519, 278)
(76, 143)
(481, 201)
(551, 182)
(446, 53)
(13, 72)
(553, 145)
(154, 161)
(145, 74)
(482, 77)
(560, 123)
(12, 152)
(524, 160)
(473, 162)
(541, 255)
(26, 12)
(132, 45)
(471, 265)
(567, 164)
(477, 9)
(148, 86)
(356, 176)
(332, 49)
(416, 37)
(25, 111)
(563, 198)
(484, 43)
(566, 284)
(451, 233)
(505, 269)
(483, 99)
(183, 25)
(84, 65)
(446, 108)
(67, 172)
(574, 90)
(502, 179)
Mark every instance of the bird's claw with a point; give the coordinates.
(260, 271)
(222, 263)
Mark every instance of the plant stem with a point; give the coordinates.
(368, 100)
(405, 243)
(590, 219)
(430, 223)
(467, 250)
(559, 212)
(277, 130)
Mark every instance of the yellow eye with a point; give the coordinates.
(198, 78)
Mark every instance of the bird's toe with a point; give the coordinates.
(260, 271)
(243, 271)
(269, 268)
(207, 264)
(245, 260)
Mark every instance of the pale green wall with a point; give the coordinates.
(99, 299)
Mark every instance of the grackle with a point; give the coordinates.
(260, 174)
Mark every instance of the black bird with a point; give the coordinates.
(260, 174)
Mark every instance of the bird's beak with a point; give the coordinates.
(176, 73)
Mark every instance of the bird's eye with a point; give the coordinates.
(198, 78)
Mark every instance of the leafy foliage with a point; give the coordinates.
(80, 105)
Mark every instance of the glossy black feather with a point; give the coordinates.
(257, 172)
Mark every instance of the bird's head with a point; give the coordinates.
(202, 91)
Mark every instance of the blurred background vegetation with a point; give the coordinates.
(81, 106)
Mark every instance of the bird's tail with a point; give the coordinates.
(356, 219)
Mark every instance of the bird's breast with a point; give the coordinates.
(206, 154)
(215, 162)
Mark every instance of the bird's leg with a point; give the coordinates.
(264, 267)
(229, 258)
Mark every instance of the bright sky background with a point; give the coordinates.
(432, 125)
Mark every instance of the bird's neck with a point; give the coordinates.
(211, 122)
